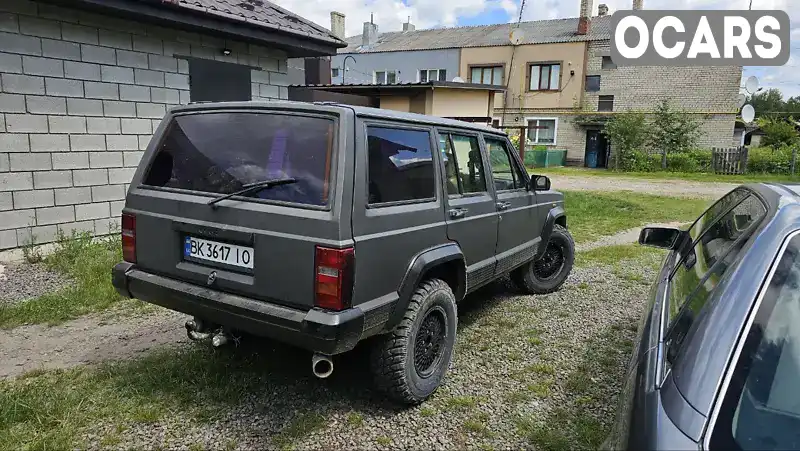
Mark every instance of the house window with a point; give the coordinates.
(488, 75)
(334, 72)
(544, 77)
(385, 77)
(606, 103)
(496, 123)
(592, 83)
(215, 81)
(608, 64)
(426, 75)
(542, 131)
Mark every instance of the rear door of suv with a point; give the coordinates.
(471, 212)
(261, 244)
(519, 224)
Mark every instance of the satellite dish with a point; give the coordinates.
(458, 80)
(741, 100)
(751, 85)
(516, 36)
(748, 113)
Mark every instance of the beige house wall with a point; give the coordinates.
(571, 55)
(396, 103)
(461, 103)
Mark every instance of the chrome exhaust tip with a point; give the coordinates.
(220, 339)
(321, 365)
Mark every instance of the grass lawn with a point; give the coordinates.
(53, 409)
(592, 214)
(88, 263)
(692, 176)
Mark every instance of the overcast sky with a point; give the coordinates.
(390, 15)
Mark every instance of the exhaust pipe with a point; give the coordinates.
(220, 339)
(321, 365)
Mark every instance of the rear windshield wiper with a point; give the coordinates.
(251, 187)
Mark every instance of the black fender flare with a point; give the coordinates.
(553, 217)
(420, 264)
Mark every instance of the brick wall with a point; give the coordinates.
(692, 89)
(80, 95)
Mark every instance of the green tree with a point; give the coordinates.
(673, 131)
(766, 102)
(778, 132)
(627, 132)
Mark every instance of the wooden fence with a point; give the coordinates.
(729, 161)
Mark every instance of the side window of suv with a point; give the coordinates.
(507, 174)
(400, 165)
(703, 266)
(463, 166)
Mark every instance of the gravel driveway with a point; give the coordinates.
(515, 359)
(520, 363)
(674, 188)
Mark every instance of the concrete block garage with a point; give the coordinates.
(84, 83)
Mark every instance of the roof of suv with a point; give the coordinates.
(359, 110)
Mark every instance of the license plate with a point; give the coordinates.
(213, 251)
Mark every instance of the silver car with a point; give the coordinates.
(717, 363)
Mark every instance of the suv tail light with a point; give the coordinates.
(333, 269)
(129, 237)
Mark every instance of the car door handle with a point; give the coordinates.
(503, 205)
(457, 213)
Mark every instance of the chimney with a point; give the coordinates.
(337, 24)
(586, 16)
(370, 34)
(602, 10)
(408, 26)
(638, 4)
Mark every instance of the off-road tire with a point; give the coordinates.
(526, 277)
(393, 361)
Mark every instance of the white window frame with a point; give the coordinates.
(539, 64)
(419, 74)
(338, 72)
(386, 76)
(555, 130)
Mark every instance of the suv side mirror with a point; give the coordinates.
(540, 183)
(660, 237)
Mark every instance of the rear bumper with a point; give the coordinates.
(315, 330)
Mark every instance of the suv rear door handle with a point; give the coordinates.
(503, 205)
(456, 213)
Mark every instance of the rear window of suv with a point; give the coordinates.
(220, 153)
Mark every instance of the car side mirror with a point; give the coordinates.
(540, 183)
(660, 237)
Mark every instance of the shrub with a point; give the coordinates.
(778, 133)
(673, 130)
(627, 132)
(766, 160)
(703, 159)
(681, 162)
(695, 160)
(639, 161)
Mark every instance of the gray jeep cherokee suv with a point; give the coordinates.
(322, 225)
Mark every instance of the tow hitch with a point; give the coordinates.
(198, 330)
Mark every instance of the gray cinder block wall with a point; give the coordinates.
(80, 95)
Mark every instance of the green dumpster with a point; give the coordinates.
(537, 158)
